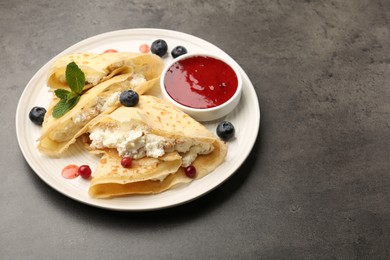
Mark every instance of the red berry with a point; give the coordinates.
(190, 171)
(85, 171)
(126, 162)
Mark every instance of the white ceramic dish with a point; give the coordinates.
(205, 114)
(245, 117)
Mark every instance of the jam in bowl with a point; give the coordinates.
(204, 86)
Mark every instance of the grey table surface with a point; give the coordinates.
(317, 182)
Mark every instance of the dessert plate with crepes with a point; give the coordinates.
(106, 189)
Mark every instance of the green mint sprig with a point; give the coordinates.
(68, 99)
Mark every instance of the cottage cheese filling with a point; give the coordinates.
(139, 142)
(103, 103)
(96, 106)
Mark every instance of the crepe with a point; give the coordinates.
(163, 127)
(59, 133)
(112, 180)
(99, 67)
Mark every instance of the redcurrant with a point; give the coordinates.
(126, 162)
(190, 171)
(85, 171)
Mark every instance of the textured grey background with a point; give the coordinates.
(317, 183)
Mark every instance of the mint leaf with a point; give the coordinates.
(68, 99)
(60, 108)
(72, 102)
(64, 106)
(71, 95)
(62, 93)
(75, 78)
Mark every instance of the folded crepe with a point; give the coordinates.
(99, 67)
(59, 133)
(162, 141)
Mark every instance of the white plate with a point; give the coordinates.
(246, 119)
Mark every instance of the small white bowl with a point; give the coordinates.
(204, 114)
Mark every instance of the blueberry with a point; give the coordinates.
(178, 51)
(159, 47)
(225, 130)
(37, 114)
(129, 98)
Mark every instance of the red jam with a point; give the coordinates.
(110, 51)
(200, 82)
(70, 171)
(144, 48)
